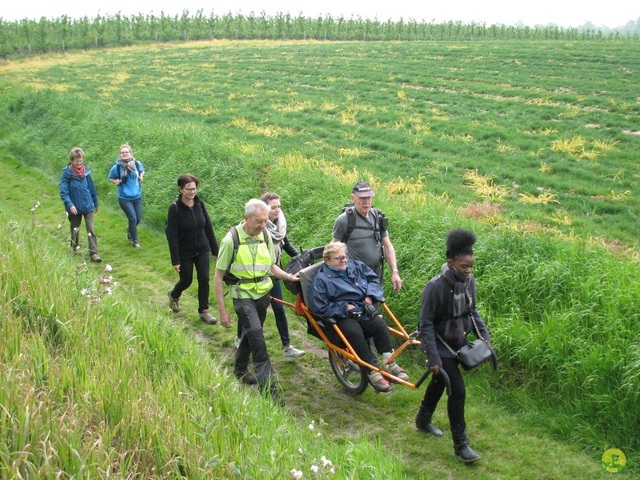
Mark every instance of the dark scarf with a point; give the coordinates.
(78, 171)
(127, 165)
(456, 328)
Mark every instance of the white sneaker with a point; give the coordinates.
(293, 352)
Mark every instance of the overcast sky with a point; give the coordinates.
(611, 13)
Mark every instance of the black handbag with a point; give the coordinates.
(474, 353)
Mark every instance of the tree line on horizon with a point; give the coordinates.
(28, 36)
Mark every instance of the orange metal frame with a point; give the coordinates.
(348, 352)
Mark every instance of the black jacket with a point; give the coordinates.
(435, 309)
(189, 231)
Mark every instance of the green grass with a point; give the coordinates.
(114, 382)
(450, 135)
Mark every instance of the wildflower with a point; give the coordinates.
(312, 425)
(59, 226)
(105, 280)
(332, 471)
(300, 451)
(326, 463)
(86, 292)
(314, 469)
(35, 205)
(107, 268)
(295, 473)
(107, 291)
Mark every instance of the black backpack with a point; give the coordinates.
(381, 221)
(297, 263)
(229, 278)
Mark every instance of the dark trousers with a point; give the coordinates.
(455, 402)
(76, 221)
(251, 316)
(278, 310)
(133, 210)
(201, 262)
(358, 331)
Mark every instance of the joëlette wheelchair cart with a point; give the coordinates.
(350, 370)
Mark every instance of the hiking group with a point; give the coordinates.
(348, 286)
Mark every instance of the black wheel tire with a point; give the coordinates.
(352, 377)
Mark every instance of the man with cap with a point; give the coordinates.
(364, 230)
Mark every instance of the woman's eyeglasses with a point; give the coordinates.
(341, 258)
(190, 189)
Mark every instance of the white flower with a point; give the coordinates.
(300, 451)
(312, 425)
(107, 291)
(86, 292)
(326, 463)
(295, 473)
(107, 268)
(314, 469)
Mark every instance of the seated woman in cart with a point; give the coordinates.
(346, 290)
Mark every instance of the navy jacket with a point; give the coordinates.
(330, 292)
(435, 309)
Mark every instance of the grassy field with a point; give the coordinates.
(533, 145)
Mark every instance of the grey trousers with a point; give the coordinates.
(251, 316)
(75, 221)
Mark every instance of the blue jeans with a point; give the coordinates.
(133, 210)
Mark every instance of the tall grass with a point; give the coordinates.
(95, 388)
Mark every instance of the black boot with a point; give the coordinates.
(423, 422)
(461, 446)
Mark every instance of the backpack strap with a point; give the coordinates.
(351, 222)
(350, 210)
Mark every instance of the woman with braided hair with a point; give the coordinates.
(447, 311)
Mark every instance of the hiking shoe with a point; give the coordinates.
(173, 303)
(136, 245)
(247, 377)
(292, 352)
(379, 383)
(394, 369)
(95, 258)
(206, 317)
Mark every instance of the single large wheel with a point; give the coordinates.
(348, 373)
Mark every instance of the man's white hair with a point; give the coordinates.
(253, 205)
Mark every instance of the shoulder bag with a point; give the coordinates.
(474, 353)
